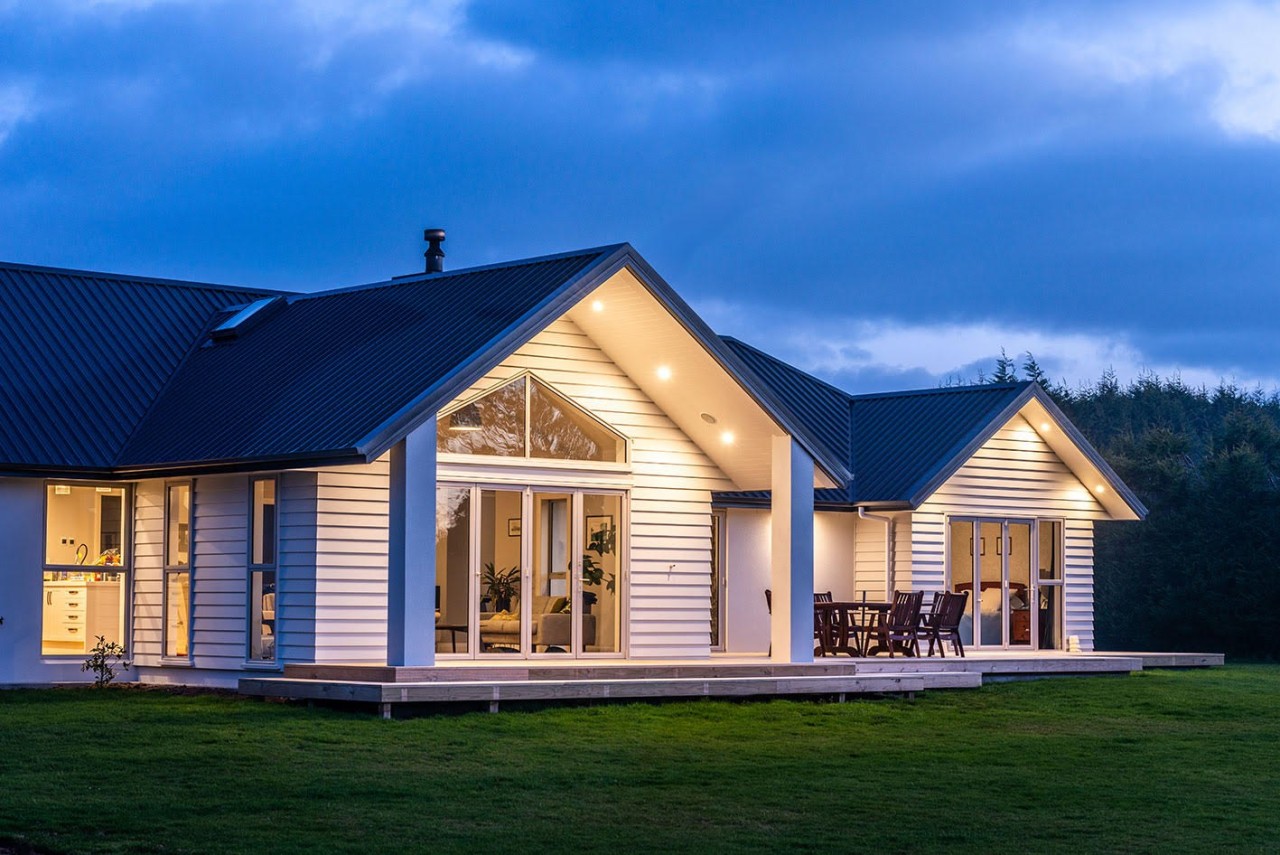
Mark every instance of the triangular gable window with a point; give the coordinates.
(526, 418)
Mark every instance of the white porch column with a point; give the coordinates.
(411, 566)
(792, 552)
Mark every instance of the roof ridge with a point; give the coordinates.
(417, 278)
(941, 390)
(138, 280)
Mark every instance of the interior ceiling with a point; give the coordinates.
(638, 333)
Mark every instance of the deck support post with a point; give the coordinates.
(411, 570)
(791, 519)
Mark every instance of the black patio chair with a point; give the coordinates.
(900, 628)
(943, 623)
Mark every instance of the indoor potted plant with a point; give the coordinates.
(500, 585)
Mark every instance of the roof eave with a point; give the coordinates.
(928, 486)
(423, 407)
(416, 413)
(756, 388)
(948, 466)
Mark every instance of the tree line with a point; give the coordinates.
(1202, 573)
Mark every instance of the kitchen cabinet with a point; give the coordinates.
(77, 612)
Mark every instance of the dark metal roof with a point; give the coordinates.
(118, 376)
(895, 443)
(83, 355)
(903, 440)
(822, 408)
(343, 373)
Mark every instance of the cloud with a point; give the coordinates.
(1223, 57)
(879, 354)
(421, 37)
(17, 105)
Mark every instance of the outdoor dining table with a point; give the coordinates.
(841, 626)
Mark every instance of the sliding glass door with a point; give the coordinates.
(510, 581)
(992, 560)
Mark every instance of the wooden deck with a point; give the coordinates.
(493, 683)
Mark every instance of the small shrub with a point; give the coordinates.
(103, 659)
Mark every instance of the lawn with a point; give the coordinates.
(1163, 761)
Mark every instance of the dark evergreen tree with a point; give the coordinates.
(1006, 370)
(1202, 572)
(1032, 371)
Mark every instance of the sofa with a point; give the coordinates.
(552, 627)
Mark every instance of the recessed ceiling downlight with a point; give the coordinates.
(708, 418)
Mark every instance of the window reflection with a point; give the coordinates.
(525, 418)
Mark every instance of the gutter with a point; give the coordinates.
(889, 543)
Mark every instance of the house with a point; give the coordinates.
(547, 459)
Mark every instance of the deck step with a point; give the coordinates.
(579, 689)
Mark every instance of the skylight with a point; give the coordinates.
(238, 323)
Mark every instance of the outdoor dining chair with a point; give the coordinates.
(943, 623)
(901, 627)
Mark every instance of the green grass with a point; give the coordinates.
(1163, 761)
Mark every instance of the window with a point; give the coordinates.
(262, 571)
(85, 561)
(1012, 571)
(526, 418)
(177, 571)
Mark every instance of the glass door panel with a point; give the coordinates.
(963, 550)
(551, 620)
(990, 587)
(1018, 560)
(1050, 585)
(453, 569)
(501, 571)
(600, 618)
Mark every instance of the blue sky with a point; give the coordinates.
(883, 193)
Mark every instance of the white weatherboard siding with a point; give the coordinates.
(296, 566)
(1014, 475)
(351, 549)
(869, 556)
(672, 480)
(148, 569)
(220, 572)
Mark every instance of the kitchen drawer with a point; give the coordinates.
(64, 632)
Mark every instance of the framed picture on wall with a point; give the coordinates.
(513, 527)
(601, 533)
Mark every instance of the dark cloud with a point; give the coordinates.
(912, 161)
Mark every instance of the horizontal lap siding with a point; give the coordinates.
(220, 574)
(352, 514)
(670, 548)
(296, 565)
(148, 570)
(1078, 583)
(1015, 474)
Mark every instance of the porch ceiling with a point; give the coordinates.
(642, 337)
(1103, 486)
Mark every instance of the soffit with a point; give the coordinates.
(640, 335)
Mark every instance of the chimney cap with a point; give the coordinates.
(434, 254)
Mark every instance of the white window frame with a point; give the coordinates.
(1034, 586)
(528, 458)
(125, 567)
(271, 567)
(178, 569)
(527, 490)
